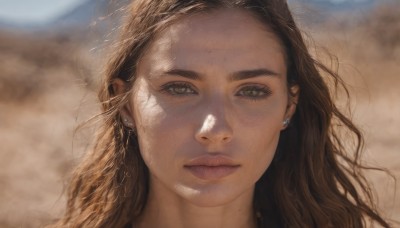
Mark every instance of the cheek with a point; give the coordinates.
(262, 148)
(264, 120)
(157, 129)
(148, 116)
(146, 108)
(261, 131)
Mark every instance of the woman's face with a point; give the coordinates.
(208, 105)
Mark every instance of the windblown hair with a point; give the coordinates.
(315, 180)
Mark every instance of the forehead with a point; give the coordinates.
(233, 35)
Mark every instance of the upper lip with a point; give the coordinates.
(211, 160)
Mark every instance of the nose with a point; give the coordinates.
(214, 129)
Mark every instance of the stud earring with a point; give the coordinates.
(286, 122)
(128, 123)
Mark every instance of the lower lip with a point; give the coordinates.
(211, 172)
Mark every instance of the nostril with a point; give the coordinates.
(225, 139)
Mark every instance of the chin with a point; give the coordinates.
(213, 195)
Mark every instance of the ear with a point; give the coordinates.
(292, 104)
(120, 88)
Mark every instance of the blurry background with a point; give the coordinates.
(51, 57)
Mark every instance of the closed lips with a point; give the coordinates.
(212, 168)
(211, 160)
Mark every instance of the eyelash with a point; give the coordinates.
(187, 89)
(170, 88)
(262, 92)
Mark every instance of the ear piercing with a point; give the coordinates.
(286, 122)
(128, 123)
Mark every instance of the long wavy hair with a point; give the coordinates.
(315, 179)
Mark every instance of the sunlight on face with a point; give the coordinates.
(209, 102)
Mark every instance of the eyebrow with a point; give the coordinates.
(246, 74)
(184, 73)
(240, 75)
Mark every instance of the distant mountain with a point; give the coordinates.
(88, 13)
(89, 10)
(95, 11)
(339, 4)
(83, 14)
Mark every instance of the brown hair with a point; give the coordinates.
(313, 182)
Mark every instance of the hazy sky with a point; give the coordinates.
(36, 11)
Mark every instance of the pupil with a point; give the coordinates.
(252, 93)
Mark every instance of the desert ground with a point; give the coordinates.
(48, 88)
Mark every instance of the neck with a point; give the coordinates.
(171, 211)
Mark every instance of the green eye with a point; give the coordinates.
(178, 89)
(254, 92)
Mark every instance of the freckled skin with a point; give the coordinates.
(173, 129)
